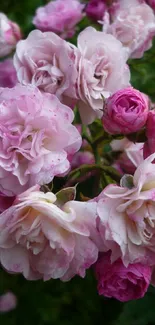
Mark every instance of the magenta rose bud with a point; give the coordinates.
(117, 281)
(125, 111)
(149, 146)
(96, 9)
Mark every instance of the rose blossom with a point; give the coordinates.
(127, 216)
(149, 145)
(36, 138)
(102, 70)
(8, 302)
(95, 9)
(120, 282)
(59, 16)
(42, 238)
(10, 34)
(125, 111)
(47, 61)
(134, 25)
(131, 156)
(8, 77)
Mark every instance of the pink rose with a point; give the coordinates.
(8, 77)
(43, 236)
(125, 112)
(149, 145)
(127, 216)
(134, 26)
(131, 156)
(47, 61)
(10, 34)
(37, 135)
(59, 16)
(120, 282)
(102, 71)
(95, 9)
(8, 302)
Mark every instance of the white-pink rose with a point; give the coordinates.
(102, 70)
(36, 137)
(42, 238)
(127, 216)
(46, 61)
(10, 34)
(59, 16)
(134, 26)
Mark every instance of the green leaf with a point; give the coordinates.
(65, 195)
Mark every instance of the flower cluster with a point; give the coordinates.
(69, 115)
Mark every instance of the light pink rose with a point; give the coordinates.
(59, 16)
(127, 216)
(133, 25)
(149, 145)
(8, 302)
(10, 34)
(95, 9)
(131, 156)
(8, 77)
(125, 112)
(36, 138)
(120, 282)
(46, 61)
(42, 238)
(102, 70)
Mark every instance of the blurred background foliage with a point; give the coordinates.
(54, 302)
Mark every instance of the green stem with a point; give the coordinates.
(89, 168)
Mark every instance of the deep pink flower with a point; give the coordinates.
(8, 77)
(125, 112)
(10, 34)
(120, 282)
(37, 135)
(149, 145)
(8, 302)
(44, 236)
(59, 16)
(95, 9)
